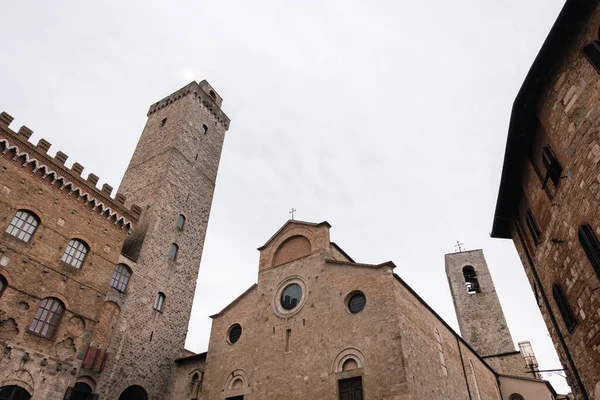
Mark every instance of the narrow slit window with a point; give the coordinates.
(173, 251)
(204, 129)
(471, 280)
(159, 302)
(534, 229)
(75, 253)
(23, 225)
(564, 307)
(47, 318)
(3, 284)
(552, 166)
(589, 241)
(440, 348)
(163, 122)
(180, 222)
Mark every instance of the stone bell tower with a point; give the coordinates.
(480, 316)
(171, 176)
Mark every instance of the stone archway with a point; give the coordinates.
(14, 393)
(134, 392)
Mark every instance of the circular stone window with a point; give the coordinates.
(234, 333)
(291, 296)
(356, 302)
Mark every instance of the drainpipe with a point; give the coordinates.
(561, 339)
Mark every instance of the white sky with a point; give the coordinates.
(386, 118)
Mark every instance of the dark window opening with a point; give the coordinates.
(235, 332)
(3, 284)
(288, 336)
(163, 122)
(357, 303)
(552, 166)
(591, 51)
(564, 307)
(350, 389)
(14, 393)
(213, 94)
(291, 296)
(471, 280)
(173, 250)
(589, 241)
(159, 302)
(533, 227)
(180, 222)
(204, 129)
(235, 398)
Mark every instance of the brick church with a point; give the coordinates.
(96, 291)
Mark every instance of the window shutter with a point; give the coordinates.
(68, 394)
(591, 246)
(591, 51)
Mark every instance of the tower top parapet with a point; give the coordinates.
(203, 92)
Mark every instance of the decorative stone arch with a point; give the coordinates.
(131, 385)
(236, 383)
(56, 295)
(298, 231)
(29, 207)
(21, 378)
(85, 240)
(348, 354)
(4, 272)
(88, 380)
(195, 384)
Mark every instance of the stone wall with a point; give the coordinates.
(568, 121)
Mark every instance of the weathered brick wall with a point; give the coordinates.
(47, 366)
(172, 172)
(187, 378)
(568, 117)
(480, 316)
(509, 364)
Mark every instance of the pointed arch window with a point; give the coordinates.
(75, 253)
(534, 229)
(159, 302)
(564, 307)
(552, 166)
(3, 284)
(23, 225)
(47, 318)
(471, 280)
(173, 251)
(120, 277)
(589, 241)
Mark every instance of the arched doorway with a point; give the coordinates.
(81, 391)
(134, 392)
(14, 393)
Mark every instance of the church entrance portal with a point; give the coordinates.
(134, 392)
(13, 393)
(351, 389)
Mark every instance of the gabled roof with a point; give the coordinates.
(296, 222)
(355, 264)
(522, 120)
(228, 306)
(342, 251)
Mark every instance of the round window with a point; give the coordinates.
(234, 333)
(291, 296)
(356, 302)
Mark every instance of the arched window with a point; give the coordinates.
(180, 222)
(213, 94)
(120, 277)
(195, 385)
(23, 225)
(14, 393)
(471, 280)
(591, 51)
(534, 229)
(159, 302)
(47, 318)
(75, 253)
(563, 306)
(204, 129)
(3, 284)
(134, 392)
(552, 166)
(591, 246)
(516, 396)
(173, 252)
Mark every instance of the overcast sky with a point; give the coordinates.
(386, 118)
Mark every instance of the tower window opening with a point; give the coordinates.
(163, 122)
(75, 253)
(552, 166)
(204, 129)
(180, 222)
(159, 302)
(471, 280)
(173, 250)
(564, 307)
(591, 51)
(3, 284)
(534, 229)
(213, 94)
(590, 244)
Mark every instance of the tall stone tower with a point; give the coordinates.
(171, 176)
(480, 317)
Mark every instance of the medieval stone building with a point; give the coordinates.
(96, 291)
(549, 197)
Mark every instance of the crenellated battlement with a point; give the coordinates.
(203, 93)
(55, 170)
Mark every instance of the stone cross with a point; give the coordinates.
(292, 212)
(458, 246)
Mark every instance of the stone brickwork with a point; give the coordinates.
(565, 117)
(397, 344)
(67, 207)
(187, 377)
(172, 172)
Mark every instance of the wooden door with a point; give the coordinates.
(351, 389)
